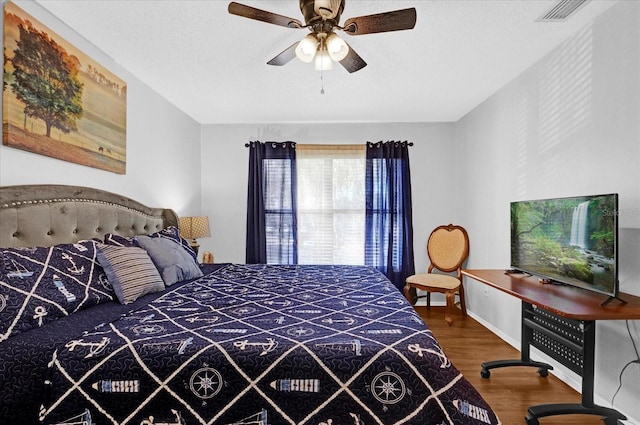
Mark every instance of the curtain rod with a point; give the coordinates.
(246, 145)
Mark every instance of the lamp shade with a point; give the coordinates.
(306, 48)
(337, 47)
(194, 227)
(323, 61)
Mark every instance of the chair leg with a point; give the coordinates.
(407, 293)
(463, 305)
(451, 298)
(428, 299)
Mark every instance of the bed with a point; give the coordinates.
(223, 344)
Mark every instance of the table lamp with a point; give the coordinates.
(192, 228)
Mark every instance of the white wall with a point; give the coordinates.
(225, 170)
(163, 144)
(570, 125)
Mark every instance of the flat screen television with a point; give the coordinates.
(571, 241)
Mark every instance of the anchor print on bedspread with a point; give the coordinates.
(42, 284)
(265, 345)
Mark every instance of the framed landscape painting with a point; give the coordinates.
(57, 101)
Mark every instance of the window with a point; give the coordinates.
(331, 203)
(328, 204)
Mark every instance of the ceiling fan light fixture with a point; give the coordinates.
(327, 9)
(337, 47)
(323, 61)
(307, 48)
(322, 18)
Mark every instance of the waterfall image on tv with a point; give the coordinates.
(568, 240)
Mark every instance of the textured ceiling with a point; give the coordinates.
(212, 65)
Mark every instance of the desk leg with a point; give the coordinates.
(586, 407)
(525, 359)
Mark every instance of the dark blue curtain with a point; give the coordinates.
(389, 225)
(271, 201)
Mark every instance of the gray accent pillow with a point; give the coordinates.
(130, 271)
(170, 258)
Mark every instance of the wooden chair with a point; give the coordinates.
(447, 248)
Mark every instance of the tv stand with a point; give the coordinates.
(516, 271)
(611, 298)
(560, 321)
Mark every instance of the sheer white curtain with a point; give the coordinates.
(331, 203)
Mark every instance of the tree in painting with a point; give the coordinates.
(4, 69)
(602, 217)
(46, 80)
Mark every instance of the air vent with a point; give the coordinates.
(562, 11)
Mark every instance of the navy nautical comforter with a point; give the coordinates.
(264, 345)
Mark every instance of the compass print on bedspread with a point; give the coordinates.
(334, 345)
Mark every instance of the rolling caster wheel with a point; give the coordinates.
(543, 372)
(485, 373)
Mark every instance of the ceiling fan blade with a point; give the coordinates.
(352, 62)
(285, 56)
(262, 15)
(397, 20)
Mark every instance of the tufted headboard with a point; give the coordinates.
(46, 215)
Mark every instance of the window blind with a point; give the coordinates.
(331, 203)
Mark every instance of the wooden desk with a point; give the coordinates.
(560, 321)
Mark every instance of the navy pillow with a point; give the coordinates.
(41, 284)
(170, 232)
(117, 240)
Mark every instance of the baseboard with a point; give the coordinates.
(559, 371)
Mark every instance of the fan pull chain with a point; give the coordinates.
(321, 82)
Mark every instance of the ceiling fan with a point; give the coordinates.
(322, 18)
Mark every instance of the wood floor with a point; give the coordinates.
(510, 391)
